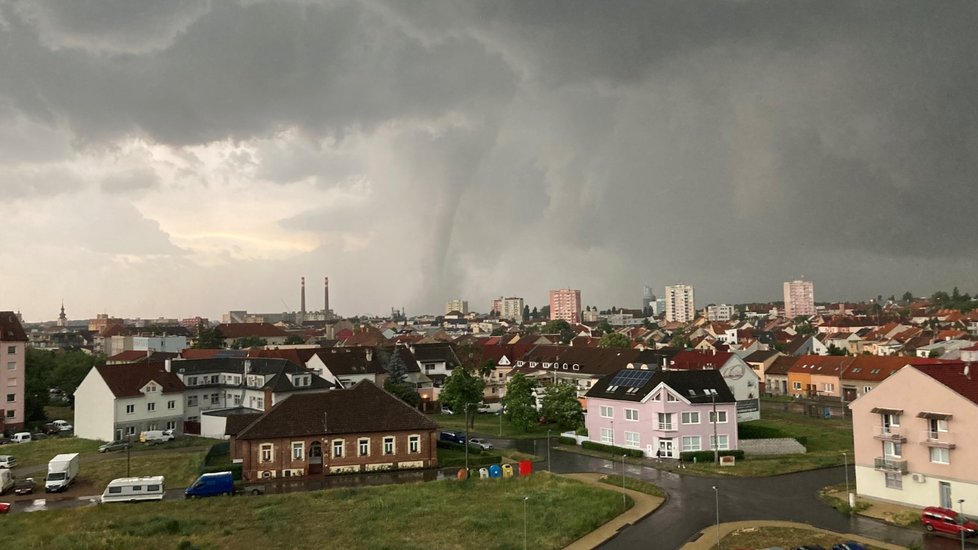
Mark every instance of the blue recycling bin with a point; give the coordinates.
(495, 471)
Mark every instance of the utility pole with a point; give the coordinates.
(716, 440)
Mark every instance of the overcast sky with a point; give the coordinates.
(187, 158)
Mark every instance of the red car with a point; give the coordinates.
(946, 520)
(4, 507)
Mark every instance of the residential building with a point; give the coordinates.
(360, 429)
(496, 308)
(759, 362)
(680, 304)
(512, 308)
(461, 306)
(913, 438)
(114, 402)
(565, 304)
(744, 383)
(865, 372)
(721, 312)
(776, 375)
(271, 334)
(799, 298)
(662, 411)
(13, 366)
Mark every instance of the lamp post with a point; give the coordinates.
(524, 521)
(961, 506)
(845, 465)
(128, 452)
(548, 450)
(623, 504)
(717, 493)
(716, 439)
(466, 439)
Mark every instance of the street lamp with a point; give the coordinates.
(717, 493)
(845, 462)
(128, 451)
(524, 521)
(623, 504)
(961, 506)
(548, 450)
(716, 439)
(467, 439)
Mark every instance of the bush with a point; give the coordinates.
(707, 456)
(564, 440)
(613, 449)
(754, 431)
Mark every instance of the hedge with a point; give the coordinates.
(612, 449)
(707, 456)
(564, 440)
(753, 431)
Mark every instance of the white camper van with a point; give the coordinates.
(6, 481)
(132, 489)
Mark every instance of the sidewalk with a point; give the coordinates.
(707, 537)
(644, 505)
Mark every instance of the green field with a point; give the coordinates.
(634, 484)
(442, 514)
(489, 424)
(179, 467)
(784, 537)
(41, 451)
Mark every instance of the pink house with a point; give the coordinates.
(13, 349)
(914, 437)
(669, 411)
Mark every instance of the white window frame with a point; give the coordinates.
(631, 415)
(150, 407)
(298, 450)
(414, 444)
(691, 443)
(943, 457)
(632, 439)
(191, 400)
(892, 449)
(719, 415)
(130, 409)
(338, 444)
(361, 443)
(724, 442)
(688, 416)
(665, 421)
(796, 385)
(607, 411)
(389, 445)
(607, 436)
(171, 404)
(266, 452)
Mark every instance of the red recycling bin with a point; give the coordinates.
(526, 468)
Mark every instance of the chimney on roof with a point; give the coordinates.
(370, 354)
(967, 370)
(168, 365)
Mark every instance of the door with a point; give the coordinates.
(315, 458)
(665, 445)
(849, 394)
(945, 489)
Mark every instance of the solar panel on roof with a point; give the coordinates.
(631, 378)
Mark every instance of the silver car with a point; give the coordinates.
(7, 461)
(483, 444)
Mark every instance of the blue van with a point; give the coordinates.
(454, 437)
(208, 485)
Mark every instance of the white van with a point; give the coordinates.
(132, 489)
(6, 481)
(21, 437)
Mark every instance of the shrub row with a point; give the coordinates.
(707, 456)
(564, 440)
(748, 430)
(613, 449)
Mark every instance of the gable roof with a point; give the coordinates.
(692, 360)
(126, 380)
(959, 377)
(136, 356)
(875, 368)
(10, 328)
(690, 384)
(363, 408)
(781, 365)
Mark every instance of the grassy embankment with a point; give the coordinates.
(442, 514)
(783, 537)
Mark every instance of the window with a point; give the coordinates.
(607, 412)
(796, 385)
(894, 480)
(11, 397)
(115, 490)
(130, 409)
(414, 444)
(237, 400)
(891, 419)
(265, 452)
(670, 398)
(867, 388)
(363, 447)
(152, 487)
(261, 403)
(338, 445)
(171, 425)
(388, 445)
(828, 387)
(12, 365)
(724, 442)
(657, 397)
(10, 413)
(298, 450)
(719, 417)
(150, 406)
(892, 449)
(940, 425)
(665, 421)
(691, 417)
(216, 399)
(131, 430)
(152, 427)
(939, 455)
(191, 400)
(12, 350)
(631, 439)
(171, 405)
(192, 381)
(631, 414)
(691, 442)
(151, 387)
(607, 436)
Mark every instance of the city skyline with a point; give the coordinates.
(193, 158)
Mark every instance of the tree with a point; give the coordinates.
(246, 342)
(526, 313)
(462, 391)
(396, 369)
(519, 405)
(209, 338)
(560, 405)
(473, 361)
(39, 367)
(397, 384)
(804, 329)
(604, 326)
(615, 340)
(534, 314)
(835, 350)
(907, 297)
(556, 326)
(545, 312)
(294, 339)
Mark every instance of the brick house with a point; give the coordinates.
(360, 429)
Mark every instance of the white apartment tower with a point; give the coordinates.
(461, 306)
(799, 298)
(565, 304)
(512, 308)
(721, 312)
(680, 304)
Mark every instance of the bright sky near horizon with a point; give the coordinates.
(189, 157)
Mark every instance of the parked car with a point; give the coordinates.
(153, 437)
(446, 410)
(22, 437)
(808, 547)
(849, 546)
(454, 437)
(24, 486)
(945, 520)
(490, 408)
(4, 507)
(113, 446)
(483, 444)
(7, 461)
(63, 425)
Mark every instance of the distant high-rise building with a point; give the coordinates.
(565, 304)
(721, 312)
(648, 297)
(680, 304)
(461, 306)
(799, 298)
(497, 306)
(512, 308)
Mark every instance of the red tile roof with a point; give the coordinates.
(876, 368)
(692, 360)
(953, 376)
(126, 380)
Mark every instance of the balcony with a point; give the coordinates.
(943, 440)
(889, 433)
(667, 427)
(886, 464)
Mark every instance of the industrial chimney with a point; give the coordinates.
(302, 301)
(326, 294)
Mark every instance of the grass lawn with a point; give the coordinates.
(488, 424)
(60, 412)
(635, 484)
(43, 450)
(816, 434)
(179, 467)
(442, 514)
(456, 457)
(786, 537)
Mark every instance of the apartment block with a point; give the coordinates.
(680, 304)
(461, 306)
(13, 349)
(799, 298)
(565, 304)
